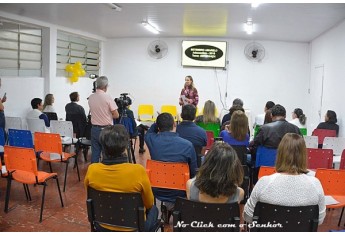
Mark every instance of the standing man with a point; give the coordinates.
(2, 108)
(103, 110)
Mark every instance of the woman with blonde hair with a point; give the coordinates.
(208, 114)
(290, 186)
(189, 94)
(237, 132)
(48, 103)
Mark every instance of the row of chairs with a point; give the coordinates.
(21, 165)
(146, 112)
(223, 217)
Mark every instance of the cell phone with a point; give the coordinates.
(4, 95)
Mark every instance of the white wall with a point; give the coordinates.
(282, 76)
(329, 50)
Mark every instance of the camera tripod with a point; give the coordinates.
(127, 122)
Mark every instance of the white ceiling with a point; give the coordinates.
(299, 22)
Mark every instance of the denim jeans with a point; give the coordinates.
(151, 219)
(96, 147)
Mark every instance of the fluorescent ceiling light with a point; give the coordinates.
(248, 26)
(150, 27)
(114, 6)
(255, 5)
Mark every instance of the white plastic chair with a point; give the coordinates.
(36, 125)
(311, 141)
(65, 129)
(13, 123)
(337, 144)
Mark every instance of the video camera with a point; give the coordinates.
(123, 101)
(93, 76)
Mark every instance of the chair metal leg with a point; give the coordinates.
(64, 184)
(8, 190)
(341, 216)
(27, 192)
(50, 167)
(76, 163)
(58, 186)
(85, 152)
(42, 203)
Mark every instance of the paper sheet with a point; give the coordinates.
(184, 99)
(329, 200)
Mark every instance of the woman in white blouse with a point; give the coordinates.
(290, 186)
(298, 118)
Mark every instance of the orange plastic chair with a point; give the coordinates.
(22, 167)
(333, 184)
(51, 147)
(319, 158)
(169, 175)
(266, 170)
(322, 133)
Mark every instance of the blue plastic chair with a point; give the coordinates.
(2, 141)
(265, 156)
(20, 138)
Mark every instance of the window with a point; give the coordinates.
(20, 49)
(72, 48)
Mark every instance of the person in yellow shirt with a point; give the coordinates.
(115, 174)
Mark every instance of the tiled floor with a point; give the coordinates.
(24, 215)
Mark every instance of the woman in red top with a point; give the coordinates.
(189, 94)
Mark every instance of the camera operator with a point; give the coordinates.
(103, 110)
(123, 103)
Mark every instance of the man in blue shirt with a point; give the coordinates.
(187, 129)
(36, 112)
(166, 145)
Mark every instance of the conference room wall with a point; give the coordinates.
(282, 76)
(329, 50)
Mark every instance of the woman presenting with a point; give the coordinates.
(189, 94)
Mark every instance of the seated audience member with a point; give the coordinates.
(48, 103)
(330, 122)
(268, 116)
(298, 118)
(187, 129)
(166, 145)
(37, 113)
(227, 118)
(76, 114)
(129, 177)
(259, 119)
(270, 134)
(237, 132)
(290, 186)
(208, 114)
(237, 104)
(218, 178)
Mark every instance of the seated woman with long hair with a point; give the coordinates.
(237, 132)
(208, 114)
(290, 186)
(218, 178)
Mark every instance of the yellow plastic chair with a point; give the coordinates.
(147, 111)
(170, 109)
